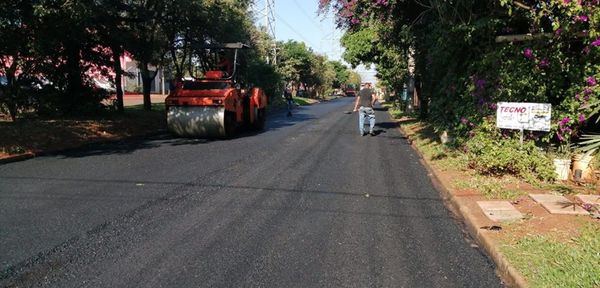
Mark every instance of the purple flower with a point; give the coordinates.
(528, 53)
(586, 50)
(596, 43)
(464, 120)
(493, 106)
(587, 206)
(558, 31)
(564, 121)
(566, 2)
(591, 81)
(480, 83)
(577, 97)
(544, 63)
(581, 118)
(581, 18)
(587, 91)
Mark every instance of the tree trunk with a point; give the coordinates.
(147, 77)
(423, 101)
(74, 78)
(117, 52)
(11, 90)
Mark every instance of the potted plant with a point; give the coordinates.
(588, 146)
(562, 160)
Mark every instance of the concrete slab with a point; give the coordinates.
(500, 211)
(556, 204)
(592, 199)
(546, 197)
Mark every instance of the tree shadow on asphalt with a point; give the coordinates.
(277, 120)
(383, 127)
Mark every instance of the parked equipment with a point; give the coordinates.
(215, 105)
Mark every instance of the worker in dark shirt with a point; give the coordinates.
(225, 64)
(364, 105)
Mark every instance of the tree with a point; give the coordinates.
(149, 41)
(295, 63)
(342, 73)
(111, 25)
(66, 48)
(16, 20)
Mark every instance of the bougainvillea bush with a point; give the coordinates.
(469, 55)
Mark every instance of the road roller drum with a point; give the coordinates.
(196, 121)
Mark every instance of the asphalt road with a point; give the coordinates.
(306, 203)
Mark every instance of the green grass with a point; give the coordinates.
(490, 187)
(303, 101)
(547, 262)
(560, 188)
(395, 112)
(442, 156)
(449, 159)
(155, 107)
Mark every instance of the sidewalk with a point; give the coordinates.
(491, 224)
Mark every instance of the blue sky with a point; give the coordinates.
(299, 20)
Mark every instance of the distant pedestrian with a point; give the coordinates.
(364, 105)
(289, 101)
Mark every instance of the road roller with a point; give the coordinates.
(215, 105)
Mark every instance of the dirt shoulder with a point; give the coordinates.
(35, 136)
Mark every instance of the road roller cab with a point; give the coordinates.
(215, 105)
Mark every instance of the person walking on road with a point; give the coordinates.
(289, 100)
(364, 105)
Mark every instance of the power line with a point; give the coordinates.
(294, 30)
(307, 16)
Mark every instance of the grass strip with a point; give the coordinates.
(548, 262)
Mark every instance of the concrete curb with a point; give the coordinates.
(29, 155)
(508, 273)
(18, 157)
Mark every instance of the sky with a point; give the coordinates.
(298, 20)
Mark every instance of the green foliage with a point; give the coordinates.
(492, 153)
(62, 43)
(491, 187)
(463, 71)
(342, 74)
(300, 68)
(265, 76)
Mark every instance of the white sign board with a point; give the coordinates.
(526, 116)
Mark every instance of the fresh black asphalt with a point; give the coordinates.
(306, 203)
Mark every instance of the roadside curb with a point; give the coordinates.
(506, 271)
(29, 155)
(18, 157)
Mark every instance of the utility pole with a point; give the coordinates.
(264, 11)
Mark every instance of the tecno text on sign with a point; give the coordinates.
(513, 109)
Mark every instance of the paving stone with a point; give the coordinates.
(500, 210)
(556, 204)
(546, 197)
(592, 199)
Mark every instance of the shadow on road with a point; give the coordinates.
(279, 119)
(275, 120)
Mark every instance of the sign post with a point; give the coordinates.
(523, 116)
